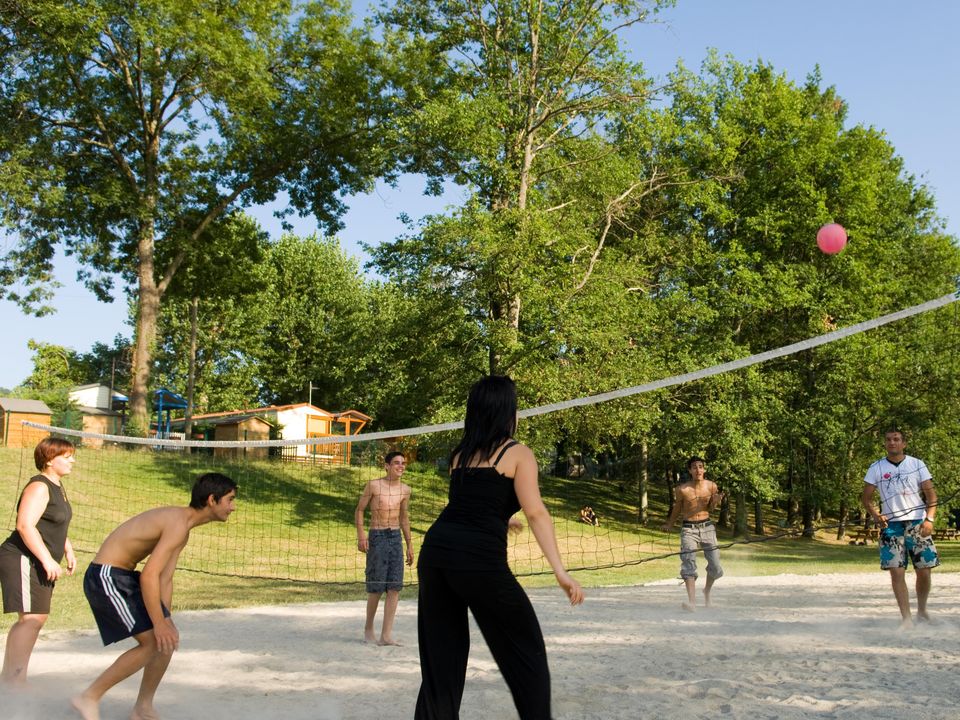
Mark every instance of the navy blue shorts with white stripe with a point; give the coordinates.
(117, 602)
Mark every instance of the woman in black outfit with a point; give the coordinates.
(30, 557)
(463, 564)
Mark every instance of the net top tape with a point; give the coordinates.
(534, 411)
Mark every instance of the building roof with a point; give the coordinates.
(169, 400)
(224, 420)
(263, 411)
(355, 414)
(116, 395)
(21, 405)
(88, 410)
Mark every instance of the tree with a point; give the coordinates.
(215, 292)
(756, 280)
(126, 130)
(498, 97)
(55, 370)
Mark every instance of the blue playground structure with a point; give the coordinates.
(165, 402)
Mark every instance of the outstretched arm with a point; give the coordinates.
(528, 493)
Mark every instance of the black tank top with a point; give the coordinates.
(52, 525)
(471, 532)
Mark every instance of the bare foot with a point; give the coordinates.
(923, 616)
(706, 598)
(18, 684)
(88, 708)
(388, 641)
(144, 713)
(369, 636)
(906, 623)
(688, 607)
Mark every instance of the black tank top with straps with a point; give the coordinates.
(52, 525)
(471, 532)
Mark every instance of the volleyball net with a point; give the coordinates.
(297, 500)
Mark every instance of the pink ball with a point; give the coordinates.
(831, 238)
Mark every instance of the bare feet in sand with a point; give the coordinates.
(906, 623)
(88, 708)
(388, 641)
(688, 607)
(706, 598)
(923, 617)
(369, 637)
(144, 713)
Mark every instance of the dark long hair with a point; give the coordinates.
(491, 419)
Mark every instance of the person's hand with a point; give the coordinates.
(363, 544)
(926, 528)
(881, 521)
(71, 562)
(52, 569)
(167, 636)
(409, 556)
(514, 524)
(570, 586)
(667, 527)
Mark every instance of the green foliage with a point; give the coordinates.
(127, 129)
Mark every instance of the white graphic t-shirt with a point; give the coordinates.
(899, 487)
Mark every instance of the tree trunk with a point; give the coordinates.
(842, 526)
(757, 517)
(740, 518)
(191, 370)
(791, 496)
(148, 308)
(809, 529)
(643, 514)
(668, 478)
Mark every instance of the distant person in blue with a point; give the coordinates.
(906, 523)
(30, 558)
(463, 564)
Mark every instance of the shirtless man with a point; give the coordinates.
(693, 500)
(127, 603)
(389, 500)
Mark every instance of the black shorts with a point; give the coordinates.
(25, 586)
(117, 602)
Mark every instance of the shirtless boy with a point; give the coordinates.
(693, 500)
(389, 500)
(127, 603)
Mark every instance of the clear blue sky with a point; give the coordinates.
(894, 63)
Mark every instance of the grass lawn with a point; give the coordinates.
(292, 538)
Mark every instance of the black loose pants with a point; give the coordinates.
(509, 625)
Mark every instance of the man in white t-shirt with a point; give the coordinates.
(909, 506)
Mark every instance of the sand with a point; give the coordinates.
(780, 647)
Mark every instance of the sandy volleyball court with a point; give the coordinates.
(782, 647)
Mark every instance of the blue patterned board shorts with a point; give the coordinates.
(902, 538)
(384, 561)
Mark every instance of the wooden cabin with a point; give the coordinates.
(13, 412)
